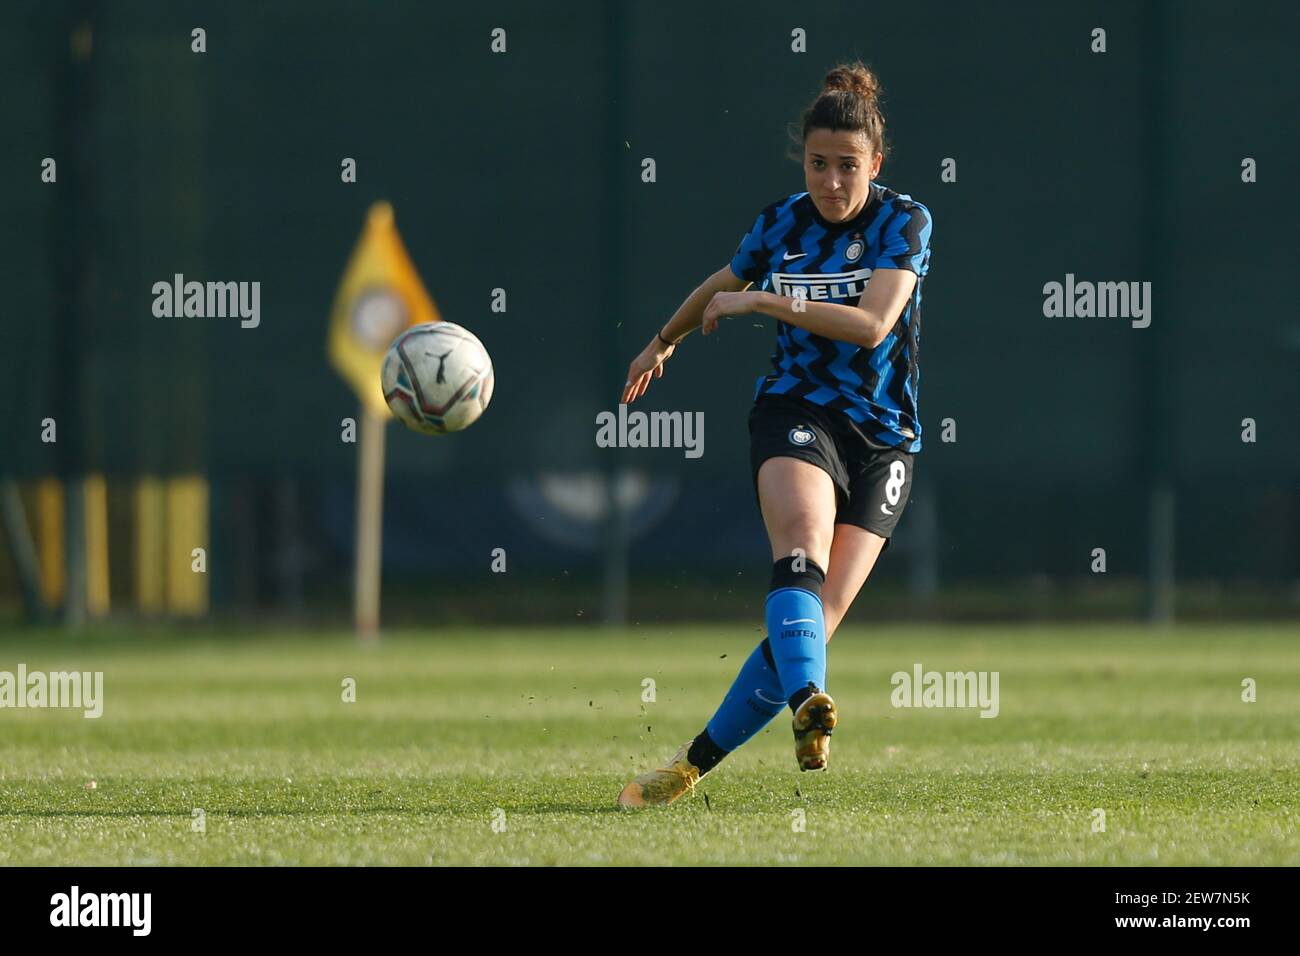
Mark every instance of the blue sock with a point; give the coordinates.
(796, 627)
(754, 699)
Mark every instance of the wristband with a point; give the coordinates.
(664, 340)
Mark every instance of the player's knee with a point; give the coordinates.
(801, 534)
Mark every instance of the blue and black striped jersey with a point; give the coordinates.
(792, 250)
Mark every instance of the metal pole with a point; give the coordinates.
(19, 533)
(1157, 451)
(74, 264)
(614, 597)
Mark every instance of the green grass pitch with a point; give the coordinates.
(509, 747)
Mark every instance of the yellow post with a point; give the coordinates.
(97, 590)
(49, 537)
(150, 519)
(187, 546)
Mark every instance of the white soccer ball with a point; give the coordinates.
(437, 378)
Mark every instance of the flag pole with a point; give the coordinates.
(370, 511)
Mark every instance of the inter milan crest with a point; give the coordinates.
(854, 252)
(802, 436)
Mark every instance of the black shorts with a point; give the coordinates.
(872, 480)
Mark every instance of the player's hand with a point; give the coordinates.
(724, 304)
(650, 363)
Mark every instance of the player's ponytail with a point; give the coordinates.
(849, 100)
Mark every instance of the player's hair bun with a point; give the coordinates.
(849, 100)
(853, 77)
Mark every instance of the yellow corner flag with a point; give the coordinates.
(380, 295)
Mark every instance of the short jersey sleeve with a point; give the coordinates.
(752, 255)
(905, 239)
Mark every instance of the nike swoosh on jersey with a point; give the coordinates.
(802, 620)
(798, 255)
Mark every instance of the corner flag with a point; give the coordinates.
(380, 296)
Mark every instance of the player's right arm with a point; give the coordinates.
(650, 363)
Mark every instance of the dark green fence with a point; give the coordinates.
(522, 171)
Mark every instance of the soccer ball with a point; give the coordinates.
(437, 378)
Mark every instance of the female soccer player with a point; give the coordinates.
(833, 429)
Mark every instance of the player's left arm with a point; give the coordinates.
(866, 324)
(902, 259)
